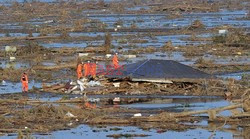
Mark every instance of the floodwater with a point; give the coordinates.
(236, 76)
(12, 87)
(161, 20)
(178, 103)
(88, 132)
(142, 21)
(4, 63)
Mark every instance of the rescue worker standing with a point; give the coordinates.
(79, 70)
(24, 80)
(115, 61)
(86, 67)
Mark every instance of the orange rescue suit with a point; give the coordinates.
(24, 80)
(79, 71)
(115, 62)
(93, 70)
(86, 69)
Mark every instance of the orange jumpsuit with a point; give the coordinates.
(24, 80)
(86, 69)
(115, 62)
(93, 70)
(79, 71)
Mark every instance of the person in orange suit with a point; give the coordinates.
(86, 67)
(79, 70)
(24, 80)
(93, 69)
(115, 61)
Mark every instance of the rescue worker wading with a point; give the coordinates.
(24, 80)
(115, 61)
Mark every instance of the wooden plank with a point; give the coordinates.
(152, 80)
(57, 67)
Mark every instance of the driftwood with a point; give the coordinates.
(115, 90)
(241, 115)
(11, 130)
(53, 87)
(219, 65)
(57, 67)
(183, 114)
(79, 50)
(28, 38)
(30, 101)
(57, 102)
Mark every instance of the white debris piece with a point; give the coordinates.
(129, 56)
(83, 54)
(71, 90)
(94, 83)
(3, 83)
(10, 49)
(82, 83)
(70, 124)
(116, 99)
(48, 21)
(12, 58)
(116, 84)
(93, 100)
(70, 114)
(137, 115)
(223, 31)
(108, 55)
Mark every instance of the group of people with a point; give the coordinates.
(89, 70)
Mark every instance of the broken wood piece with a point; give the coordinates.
(241, 115)
(246, 106)
(212, 115)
